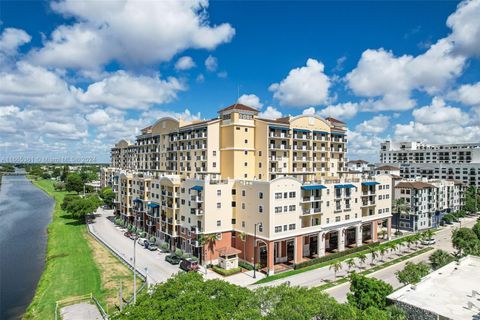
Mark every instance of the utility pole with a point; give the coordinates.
(134, 271)
(121, 295)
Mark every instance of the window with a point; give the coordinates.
(278, 229)
(245, 164)
(347, 217)
(259, 153)
(243, 193)
(238, 128)
(234, 204)
(278, 209)
(292, 207)
(246, 129)
(285, 208)
(260, 209)
(259, 164)
(245, 152)
(260, 195)
(337, 218)
(243, 224)
(285, 195)
(219, 223)
(234, 192)
(243, 206)
(285, 227)
(219, 192)
(291, 226)
(214, 164)
(246, 141)
(234, 221)
(219, 205)
(292, 194)
(278, 195)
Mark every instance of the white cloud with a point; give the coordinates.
(250, 100)
(303, 87)
(211, 63)
(439, 123)
(222, 74)
(131, 32)
(342, 111)
(309, 111)
(364, 146)
(270, 113)
(125, 91)
(200, 78)
(465, 25)
(377, 124)
(468, 94)
(11, 39)
(98, 117)
(184, 63)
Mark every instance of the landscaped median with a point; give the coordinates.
(75, 264)
(341, 256)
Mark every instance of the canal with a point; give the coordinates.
(25, 212)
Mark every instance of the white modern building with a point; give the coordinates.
(434, 161)
(451, 292)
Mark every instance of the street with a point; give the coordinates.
(443, 241)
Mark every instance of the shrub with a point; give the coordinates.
(333, 256)
(245, 265)
(164, 246)
(152, 239)
(226, 273)
(179, 252)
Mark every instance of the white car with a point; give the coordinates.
(428, 242)
(141, 241)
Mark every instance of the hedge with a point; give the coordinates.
(245, 265)
(335, 255)
(224, 272)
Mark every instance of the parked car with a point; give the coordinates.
(189, 265)
(133, 236)
(128, 234)
(142, 241)
(151, 246)
(173, 259)
(428, 242)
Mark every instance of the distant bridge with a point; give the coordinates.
(13, 173)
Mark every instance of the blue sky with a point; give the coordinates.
(77, 76)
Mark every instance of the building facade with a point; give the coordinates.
(277, 190)
(434, 161)
(427, 201)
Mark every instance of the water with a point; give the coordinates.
(25, 212)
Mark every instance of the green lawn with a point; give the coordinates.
(70, 267)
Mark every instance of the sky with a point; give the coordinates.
(77, 76)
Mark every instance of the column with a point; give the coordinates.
(298, 249)
(374, 231)
(358, 235)
(270, 259)
(341, 240)
(389, 228)
(321, 244)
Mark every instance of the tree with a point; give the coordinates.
(368, 292)
(476, 229)
(74, 183)
(472, 199)
(107, 196)
(383, 251)
(440, 258)
(59, 186)
(466, 241)
(351, 264)
(336, 266)
(65, 172)
(80, 207)
(373, 254)
(56, 172)
(209, 240)
(362, 257)
(400, 207)
(412, 273)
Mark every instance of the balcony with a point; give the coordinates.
(368, 203)
(279, 146)
(195, 229)
(312, 211)
(279, 135)
(196, 199)
(197, 211)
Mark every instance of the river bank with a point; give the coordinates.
(75, 265)
(25, 212)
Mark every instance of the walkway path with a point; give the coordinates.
(81, 311)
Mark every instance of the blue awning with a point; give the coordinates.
(279, 128)
(338, 133)
(338, 186)
(301, 130)
(153, 205)
(321, 132)
(197, 188)
(137, 200)
(314, 187)
(370, 183)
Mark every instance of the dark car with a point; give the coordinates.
(189, 265)
(173, 259)
(127, 234)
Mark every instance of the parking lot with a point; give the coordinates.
(159, 270)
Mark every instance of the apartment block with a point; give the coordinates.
(276, 190)
(434, 161)
(428, 201)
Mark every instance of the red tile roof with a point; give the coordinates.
(387, 168)
(334, 120)
(414, 185)
(239, 106)
(228, 251)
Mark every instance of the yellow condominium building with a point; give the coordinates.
(276, 190)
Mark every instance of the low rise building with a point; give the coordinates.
(451, 292)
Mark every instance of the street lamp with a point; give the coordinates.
(134, 271)
(254, 246)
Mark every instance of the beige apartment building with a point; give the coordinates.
(276, 190)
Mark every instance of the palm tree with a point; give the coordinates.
(351, 264)
(362, 257)
(401, 207)
(209, 239)
(393, 247)
(429, 234)
(410, 241)
(383, 233)
(373, 254)
(243, 237)
(337, 266)
(383, 251)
